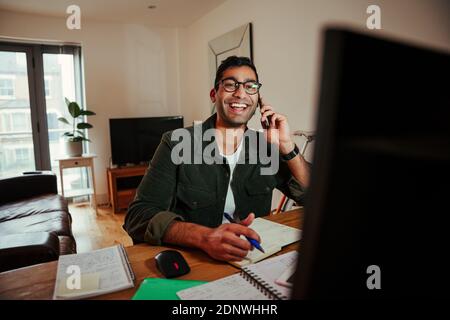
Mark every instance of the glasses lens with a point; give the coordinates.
(229, 85)
(251, 87)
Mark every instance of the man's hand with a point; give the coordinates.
(225, 243)
(279, 132)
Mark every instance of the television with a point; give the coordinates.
(134, 140)
(376, 221)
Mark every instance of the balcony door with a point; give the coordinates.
(34, 80)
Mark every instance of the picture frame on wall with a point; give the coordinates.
(237, 42)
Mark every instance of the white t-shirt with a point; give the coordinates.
(232, 159)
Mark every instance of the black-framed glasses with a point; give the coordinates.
(231, 85)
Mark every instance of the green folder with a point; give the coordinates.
(163, 289)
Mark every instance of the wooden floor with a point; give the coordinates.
(94, 232)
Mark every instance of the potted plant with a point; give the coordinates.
(76, 136)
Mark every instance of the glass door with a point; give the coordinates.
(18, 125)
(62, 80)
(35, 79)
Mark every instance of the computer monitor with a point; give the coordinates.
(376, 214)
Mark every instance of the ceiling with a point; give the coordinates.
(168, 13)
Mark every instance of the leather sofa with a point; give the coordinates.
(35, 223)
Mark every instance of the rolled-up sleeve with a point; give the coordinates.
(158, 226)
(148, 216)
(289, 185)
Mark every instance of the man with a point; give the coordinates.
(183, 203)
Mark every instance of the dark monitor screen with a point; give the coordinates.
(134, 140)
(376, 214)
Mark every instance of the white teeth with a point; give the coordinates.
(238, 105)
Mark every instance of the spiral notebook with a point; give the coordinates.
(93, 273)
(254, 282)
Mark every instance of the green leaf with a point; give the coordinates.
(81, 133)
(67, 101)
(87, 113)
(86, 139)
(68, 134)
(62, 119)
(74, 109)
(84, 125)
(74, 139)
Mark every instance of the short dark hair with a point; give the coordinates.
(232, 62)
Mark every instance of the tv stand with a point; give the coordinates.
(122, 185)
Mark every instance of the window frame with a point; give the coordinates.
(36, 87)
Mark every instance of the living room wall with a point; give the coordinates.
(133, 70)
(286, 43)
(130, 71)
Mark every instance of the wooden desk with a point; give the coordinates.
(38, 282)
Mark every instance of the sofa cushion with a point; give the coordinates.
(32, 206)
(20, 250)
(35, 223)
(27, 186)
(57, 222)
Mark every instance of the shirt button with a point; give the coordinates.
(267, 189)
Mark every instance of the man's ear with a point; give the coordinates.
(212, 95)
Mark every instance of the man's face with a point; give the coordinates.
(235, 109)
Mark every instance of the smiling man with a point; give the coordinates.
(183, 203)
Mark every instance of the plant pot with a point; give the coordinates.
(74, 148)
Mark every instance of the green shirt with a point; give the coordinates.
(196, 192)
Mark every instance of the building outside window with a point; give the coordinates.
(7, 87)
(22, 155)
(47, 87)
(20, 121)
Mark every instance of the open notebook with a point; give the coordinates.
(273, 235)
(93, 273)
(255, 282)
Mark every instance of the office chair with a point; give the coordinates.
(286, 203)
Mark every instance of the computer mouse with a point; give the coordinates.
(171, 263)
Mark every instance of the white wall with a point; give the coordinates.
(286, 43)
(130, 71)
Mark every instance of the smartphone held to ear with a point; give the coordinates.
(265, 124)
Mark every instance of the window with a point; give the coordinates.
(22, 154)
(5, 122)
(20, 122)
(52, 120)
(47, 87)
(7, 87)
(34, 80)
(21, 60)
(54, 133)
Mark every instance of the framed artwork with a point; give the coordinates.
(237, 42)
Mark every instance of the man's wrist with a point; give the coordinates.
(287, 147)
(290, 155)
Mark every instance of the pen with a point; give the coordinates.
(252, 241)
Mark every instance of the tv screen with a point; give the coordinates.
(134, 140)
